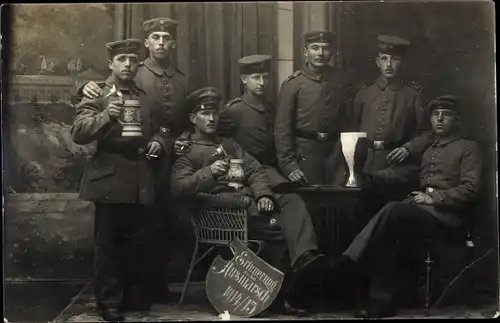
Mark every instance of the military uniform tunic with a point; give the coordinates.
(191, 172)
(253, 129)
(311, 104)
(118, 172)
(166, 90)
(391, 113)
(253, 122)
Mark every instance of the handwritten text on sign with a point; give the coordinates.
(244, 286)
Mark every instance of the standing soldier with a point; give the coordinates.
(166, 89)
(391, 113)
(119, 180)
(309, 116)
(253, 120)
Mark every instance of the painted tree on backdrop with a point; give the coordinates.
(60, 33)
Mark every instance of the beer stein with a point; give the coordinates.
(235, 174)
(350, 147)
(131, 119)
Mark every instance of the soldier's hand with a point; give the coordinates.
(115, 109)
(153, 150)
(92, 90)
(398, 155)
(422, 198)
(297, 176)
(219, 167)
(265, 204)
(181, 147)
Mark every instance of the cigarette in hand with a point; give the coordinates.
(152, 156)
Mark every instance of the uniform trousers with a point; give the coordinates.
(292, 237)
(397, 224)
(160, 237)
(294, 222)
(118, 256)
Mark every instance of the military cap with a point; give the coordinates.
(392, 45)
(203, 99)
(126, 46)
(450, 102)
(319, 36)
(160, 24)
(255, 64)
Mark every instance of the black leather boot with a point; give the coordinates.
(112, 315)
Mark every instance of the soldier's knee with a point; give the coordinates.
(290, 200)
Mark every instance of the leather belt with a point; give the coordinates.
(385, 145)
(317, 136)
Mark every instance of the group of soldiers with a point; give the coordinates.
(134, 181)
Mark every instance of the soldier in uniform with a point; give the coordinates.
(252, 118)
(197, 171)
(310, 115)
(119, 179)
(166, 89)
(449, 174)
(390, 111)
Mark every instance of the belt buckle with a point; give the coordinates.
(322, 136)
(164, 132)
(378, 145)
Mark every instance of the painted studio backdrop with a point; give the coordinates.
(48, 231)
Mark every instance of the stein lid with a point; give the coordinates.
(236, 161)
(131, 102)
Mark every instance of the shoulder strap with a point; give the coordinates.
(294, 75)
(416, 85)
(233, 101)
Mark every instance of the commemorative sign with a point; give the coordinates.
(245, 285)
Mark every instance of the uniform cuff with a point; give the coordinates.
(265, 194)
(437, 197)
(408, 147)
(291, 167)
(105, 118)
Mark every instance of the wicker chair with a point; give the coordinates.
(221, 219)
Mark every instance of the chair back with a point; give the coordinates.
(221, 218)
(221, 225)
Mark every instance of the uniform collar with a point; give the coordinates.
(326, 74)
(441, 143)
(214, 141)
(394, 85)
(253, 102)
(134, 88)
(158, 70)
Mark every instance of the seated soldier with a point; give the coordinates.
(199, 170)
(449, 173)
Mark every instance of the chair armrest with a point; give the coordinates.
(224, 200)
